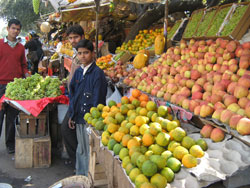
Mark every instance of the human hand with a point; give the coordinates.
(71, 124)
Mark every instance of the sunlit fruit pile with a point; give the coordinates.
(105, 62)
(67, 49)
(151, 145)
(209, 78)
(144, 39)
(33, 88)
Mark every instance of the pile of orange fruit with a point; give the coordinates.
(105, 62)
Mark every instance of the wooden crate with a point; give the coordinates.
(96, 169)
(31, 127)
(243, 24)
(189, 22)
(24, 153)
(206, 12)
(229, 6)
(42, 152)
(33, 152)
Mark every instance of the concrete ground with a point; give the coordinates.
(40, 177)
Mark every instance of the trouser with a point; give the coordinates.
(69, 138)
(34, 67)
(2, 91)
(11, 115)
(82, 152)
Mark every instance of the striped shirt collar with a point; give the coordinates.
(10, 43)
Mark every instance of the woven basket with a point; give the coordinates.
(73, 180)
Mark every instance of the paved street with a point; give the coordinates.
(41, 177)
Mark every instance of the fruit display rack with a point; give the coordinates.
(192, 24)
(222, 13)
(174, 29)
(237, 23)
(229, 21)
(205, 21)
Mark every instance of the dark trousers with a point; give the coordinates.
(69, 138)
(11, 115)
(2, 91)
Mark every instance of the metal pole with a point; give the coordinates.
(166, 25)
(97, 3)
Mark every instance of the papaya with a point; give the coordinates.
(159, 44)
(140, 61)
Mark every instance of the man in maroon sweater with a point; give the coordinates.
(12, 65)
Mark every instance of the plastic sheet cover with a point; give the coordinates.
(34, 107)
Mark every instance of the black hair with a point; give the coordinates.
(14, 21)
(85, 44)
(75, 29)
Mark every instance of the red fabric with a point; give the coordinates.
(12, 62)
(50, 72)
(67, 63)
(36, 106)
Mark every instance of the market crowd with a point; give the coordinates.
(87, 87)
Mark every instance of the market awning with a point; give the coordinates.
(87, 13)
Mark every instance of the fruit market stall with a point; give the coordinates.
(201, 77)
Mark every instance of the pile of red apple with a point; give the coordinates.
(209, 78)
(116, 72)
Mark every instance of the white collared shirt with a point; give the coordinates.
(85, 69)
(10, 43)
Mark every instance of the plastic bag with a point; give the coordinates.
(109, 92)
(116, 96)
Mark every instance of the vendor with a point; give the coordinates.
(35, 53)
(88, 88)
(75, 33)
(12, 65)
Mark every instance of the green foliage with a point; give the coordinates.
(36, 5)
(33, 88)
(219, 18)
(232, 23)
(205, 23)
(22, 10)
(192, 24)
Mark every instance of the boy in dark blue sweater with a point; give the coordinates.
(88, 88)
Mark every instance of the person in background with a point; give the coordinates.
(59, 44)
(75, 33)
(88, 88)
(35, 51)
(12, 65)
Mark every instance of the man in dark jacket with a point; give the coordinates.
(88, 88)
(35, 51)
(75, 33)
